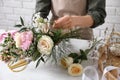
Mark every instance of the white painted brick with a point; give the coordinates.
(25, 0)
(11, 10)
(115, 3)
(22, 11)
(117, 27)
(2, 16)
(113, 19)
(30, 5)
(118, 11)
(107, 33)
(27, 20)
(97, 33)
(6, 10)
(7, 22)
(29, 0)
(105, 25)
(12, 17)
(102, 33)
(15, 4)
(4, 27)
(111, 10)
(1, 3)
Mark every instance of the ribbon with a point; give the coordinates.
(22, 64)
(90, 73)
(107, 71)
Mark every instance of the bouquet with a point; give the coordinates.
(32, 43)
(39, 42)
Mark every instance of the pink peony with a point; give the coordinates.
(24, 39)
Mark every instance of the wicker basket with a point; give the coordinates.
(109, 57)
(113, 43)
(108, 60)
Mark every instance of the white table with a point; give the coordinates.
(43, 72)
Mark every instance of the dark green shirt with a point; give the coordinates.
(95, 8)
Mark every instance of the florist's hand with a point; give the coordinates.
(65, 22)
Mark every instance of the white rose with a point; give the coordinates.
(45, 45)
(75, 70)
(66, 62)
(17, 40)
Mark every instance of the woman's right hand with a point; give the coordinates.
(64, 22)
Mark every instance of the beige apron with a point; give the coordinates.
(71, 7)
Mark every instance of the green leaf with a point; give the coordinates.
(83, 55)
(18, 25)
(22, 22)
(76, 60)
(73, 55)
(41, 20)
(36, 55)
(57, 36)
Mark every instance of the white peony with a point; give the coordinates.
(45, 45)
(75, 69)
(43, 27)
(17, 40)
(40, 23)
(66, 61)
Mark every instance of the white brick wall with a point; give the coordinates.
(11, 10)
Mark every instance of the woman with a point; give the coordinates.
(85, 14)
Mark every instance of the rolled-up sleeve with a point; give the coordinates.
(96, 8)
(43, 6)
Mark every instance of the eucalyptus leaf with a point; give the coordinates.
(14, 54)
(38, 62)
(42, 59)
(23, 29)
(18, 25)
(22, 21)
